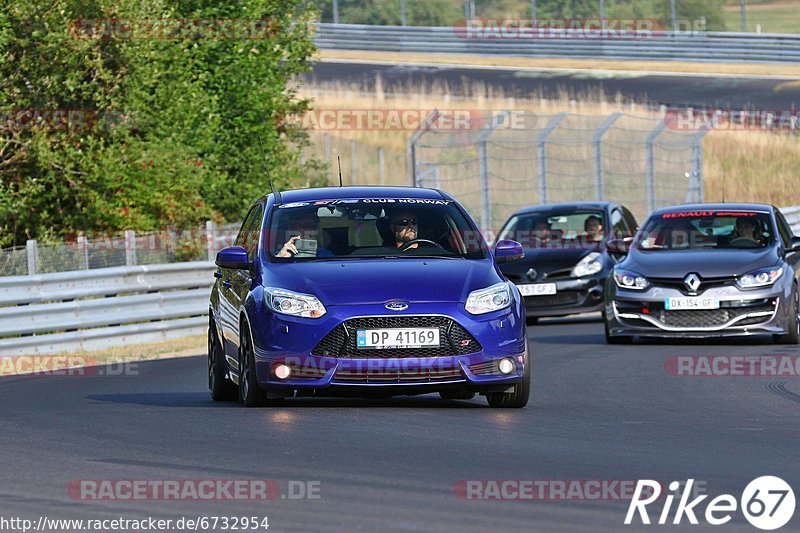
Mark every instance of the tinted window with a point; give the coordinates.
(784, 229)
(365, 227)
(248, 221)
(552, 227)
(630, 219)
(252, 233)
(694, 230)
(619, 225)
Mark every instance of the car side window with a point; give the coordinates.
(253, 233)
(248, 221)
(630, 220)
(618, 225)
(784, 229)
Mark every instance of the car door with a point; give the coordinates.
(231, 286)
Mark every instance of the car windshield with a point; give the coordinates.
(696, 230)
(368, 228)
(549, 228)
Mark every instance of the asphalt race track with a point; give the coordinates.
(597, 413)
(765, 93)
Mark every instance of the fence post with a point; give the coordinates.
(381, 167)
(483, 168)
(83, 249)
(32, 249)
(130, 247)
(211, 243)
(541, 154)
(696, 191)
(411, 147)
(651, 171)
(353, 162)
(598, 154)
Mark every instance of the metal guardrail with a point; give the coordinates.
(792, 215)
(95, 309)
(698, 46)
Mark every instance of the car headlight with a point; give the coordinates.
(591, 264)
(489, 299)
(762, 277)
(625, 279)
(293, 303)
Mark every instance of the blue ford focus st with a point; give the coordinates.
(365, 291)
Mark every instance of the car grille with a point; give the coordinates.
(705, 318)
(487, 368)
(698, 318)
(399, 375)
(705, 283)
(549, 300)
(341, 341)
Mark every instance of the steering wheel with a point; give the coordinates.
(744, 240)
(407, 245)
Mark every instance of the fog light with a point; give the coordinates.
(282, 371)
(506, 366)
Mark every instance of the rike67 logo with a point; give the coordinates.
(767, 503)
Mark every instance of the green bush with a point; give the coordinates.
(175, 121)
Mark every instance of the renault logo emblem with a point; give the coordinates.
(692, 282)
(396, 306)
(531, 274)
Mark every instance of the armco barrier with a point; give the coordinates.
(95, 309)
(702, 46)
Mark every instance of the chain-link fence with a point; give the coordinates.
(519, 158)
(123, 249)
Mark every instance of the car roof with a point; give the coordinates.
(336, 193)
(714, 207)
(602, 206)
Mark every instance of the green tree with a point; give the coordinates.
(174, 120)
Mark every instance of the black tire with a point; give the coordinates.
(456, 395)
(222, 389)
(793, 336)
(250, 394)
(518, 398)
(532, 320)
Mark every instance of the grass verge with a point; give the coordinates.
(186, 347)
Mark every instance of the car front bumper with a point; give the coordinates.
(741, 313)
(294, 343)
(573, 295)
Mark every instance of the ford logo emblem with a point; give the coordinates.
(396, 306)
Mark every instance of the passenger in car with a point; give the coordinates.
(302, 225)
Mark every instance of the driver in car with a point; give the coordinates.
(745, 230)
(405, 227)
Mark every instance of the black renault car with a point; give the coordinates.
(566, 258)
(707, 270)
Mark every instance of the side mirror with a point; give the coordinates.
(794, 246)
(505, 251)
(619, 246)
(234, 257)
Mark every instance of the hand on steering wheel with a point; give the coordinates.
(408, 245)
